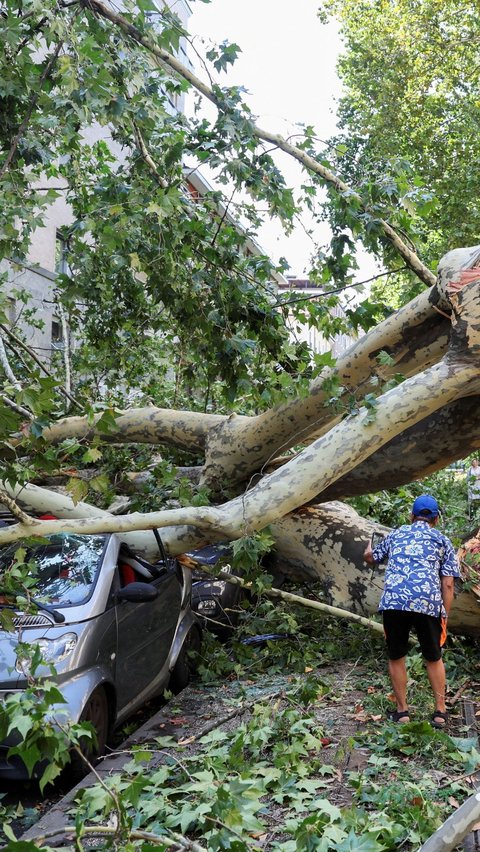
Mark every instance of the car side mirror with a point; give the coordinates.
(137, 593)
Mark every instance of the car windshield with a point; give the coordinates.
(66, 567)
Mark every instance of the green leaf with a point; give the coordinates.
(93, 454)
(77, 488)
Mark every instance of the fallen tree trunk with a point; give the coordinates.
(443, 437)
(236, 446)
(334, 455)
(325, 544)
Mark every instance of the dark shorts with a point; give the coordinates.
(430, 631)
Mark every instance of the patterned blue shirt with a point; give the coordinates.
(418, 556)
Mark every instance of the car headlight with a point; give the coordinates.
(51, 650)
(206, 607)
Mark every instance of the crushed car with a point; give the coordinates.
(117, 628)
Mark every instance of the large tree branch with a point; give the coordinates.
(18, 408)
(434, 442)
(149, 425)
(236, 447)
(349, 443)
(414, 338)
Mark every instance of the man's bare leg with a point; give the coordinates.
(436, 676)
(398, 675)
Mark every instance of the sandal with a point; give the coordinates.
(398, 715)
(437, 716)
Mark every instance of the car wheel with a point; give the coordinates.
(96, 712)
(187, 660)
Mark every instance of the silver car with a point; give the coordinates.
(118, 630)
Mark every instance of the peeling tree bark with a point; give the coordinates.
(236, 446)
(449, 434)
(150, 425)
(351, 441)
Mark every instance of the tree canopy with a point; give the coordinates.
(185, 394)
(409, 113)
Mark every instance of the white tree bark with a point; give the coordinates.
(456, 827)
(235, 447)
(344, 447)
(149, 425)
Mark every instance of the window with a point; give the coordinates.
(62, 250)
(57, 334)
(65, 566)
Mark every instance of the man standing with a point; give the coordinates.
(418, 592)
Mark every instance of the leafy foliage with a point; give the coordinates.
(449, 486)
(412, 119)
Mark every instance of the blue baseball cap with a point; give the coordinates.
(425, 507)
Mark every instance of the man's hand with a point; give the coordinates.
(367, 554)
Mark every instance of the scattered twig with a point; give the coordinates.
(297, 599)
(456, 780)
(66, 352)
(177, 840)
(6, 366)
(166, 60)
(37, 360)
(459, 691)
(33, 102)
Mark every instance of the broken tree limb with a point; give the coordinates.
(340, 450)
(289, 597)
(455, 828)
(323, 544)
(235, 446)
(149, 425)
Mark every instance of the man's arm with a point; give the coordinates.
(448, 587)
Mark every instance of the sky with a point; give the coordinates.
(287, 65)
